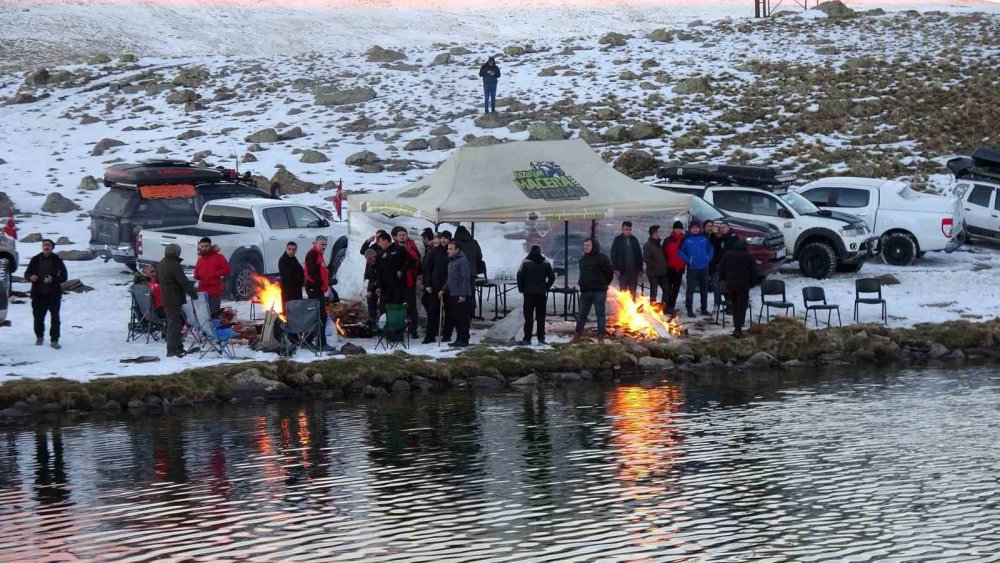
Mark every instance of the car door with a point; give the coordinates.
(308, 225)
(980, 212)
(853, 201)
(280, 234)
(758, 206)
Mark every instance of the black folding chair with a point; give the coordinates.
(814, 295)
(302, 330)
(726, 308)
(773, 287)
(144, 320)
(868, 286)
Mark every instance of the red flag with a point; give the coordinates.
(10, 228)
(338, 200)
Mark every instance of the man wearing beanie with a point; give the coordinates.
(675, 267)
(656, 264)
(173, 286)
(534, 278)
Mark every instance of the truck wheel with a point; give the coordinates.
(817, 260)
(850, 268)
(4, 287)
(243, 274)
(899, 249)
(338, 259)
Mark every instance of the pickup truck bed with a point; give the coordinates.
(193, 231)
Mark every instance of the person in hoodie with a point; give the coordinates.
(596, 274)
(722, 238)
(473, 253)
(696, 251)
(656, 264)
(534, 279)
(458, 292)
(290, 274)
(435, 275)
(210, 272)
(371, 284)
(317, 278)
(46, 272)
(490, 73)
(626, 257)
(409, 278)
(675, 266)
(739, 269)
(174, 285)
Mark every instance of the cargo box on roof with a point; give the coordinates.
(161, 172)
(711, 174)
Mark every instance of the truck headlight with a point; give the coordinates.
(852, 231)
(756, 241)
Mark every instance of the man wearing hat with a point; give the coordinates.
(174, 284)
(534, 279)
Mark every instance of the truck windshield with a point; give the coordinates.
(705, 211)
(801, 205)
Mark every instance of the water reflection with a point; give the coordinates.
(771, 466)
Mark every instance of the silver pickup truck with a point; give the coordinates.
(8, 265)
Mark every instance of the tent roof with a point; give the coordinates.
(522, 181)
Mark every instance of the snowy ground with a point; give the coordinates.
(49, 146)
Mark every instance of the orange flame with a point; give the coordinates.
(268, 294)
(639, 318)
(340, 328)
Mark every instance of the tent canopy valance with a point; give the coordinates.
(523, 181)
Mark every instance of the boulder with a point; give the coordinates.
(484, 141)
(128, 58)
(291, 184)
(513, 50)
(31, 237)
(112, 406)
(526, 381)
(248, 157)
(442, 59)
(441, 143)
(616, 134)
(349, 349)
(76, 255)
(103, 145)
(416, 145)
(888, 279)
(642, 131)
(181, 96)
(63, 241)
(401, 387)
(89, 184)
(190, 134)
(379, 54)
(191, 77)
(344, 97)
(613, 39)
(655, 364)
(492, 120)
(443, 130)
(760, 360)
(99, 59)
(362, 158)
(628, 75)
(937, 351)
(310, 156)
(181, 402)
(372, 168)
(268, 135)
(250, 384)
(293, 133)
(695, 85)
(660, 36)
(55, 202)
(546, 132)
(835, 9)
(22, 98)
(484, 382)
(589, 136)
(458, 51)
(637, 164)
(374, 392)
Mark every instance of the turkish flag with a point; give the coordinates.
(338, 200)
(10, 228)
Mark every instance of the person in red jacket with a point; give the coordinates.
(675, 266)
(410, 275)
(154, 291)
(210, 271)
(317, 278)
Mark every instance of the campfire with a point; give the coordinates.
(268, 294)
(639, 319)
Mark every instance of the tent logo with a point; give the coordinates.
(414, 192)
(547, 180)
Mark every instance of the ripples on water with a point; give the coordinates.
(900, 468)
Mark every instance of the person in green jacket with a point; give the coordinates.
(174, 285)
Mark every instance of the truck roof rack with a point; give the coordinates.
(152, 172)
(983, 164)
(710, 174)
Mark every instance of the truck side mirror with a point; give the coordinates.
(784, 213)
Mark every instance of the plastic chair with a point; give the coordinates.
(144, 320)
(725, 308)
(867, 286)
(816, 294)
(773, 287)
(304, 323)
(394, 332)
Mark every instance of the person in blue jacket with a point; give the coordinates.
(697, 252)
(490, 72)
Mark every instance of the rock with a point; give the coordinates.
(291, 184)
(637, 164)
(628, 75)
(103, 145)
(400, 387)
(888, 279)
(99, 59)
(310, 156)
(250, 384)
(528, 380)
(136, 404)
(372, 168)
(32, 237)
(361, 158)
(828, 50)
(794, 364)
(22, 98)
(864, 355)
(112, 406)
(642, 131)
(191, 77)
(937, 351)
(650, 63)
(153, 402)
(616, 134)
(349, 349)
(655, 364)
(513, 50)
(293, 133)
(181, 97)
(442, 59)
(696, 85)
(89, 120)
(484, 141)
(373, 392)
(613, 39)
(181, 402)
(546, 132)
(835, 9)
(200, 156)
(660, 36)
(484, 382)
(458, 51)
(63, 241)
(55, 202)
(76, 255)
(422, 383)
(957, 355)
(589, 136)
(760, 360)
(89, 184)
(128, 58)
(378, 54)
(492, 120)
(190, 134)
(344, 97)
(268, 135)
(443, 130)
(248, 157)
(551, 70)
(441, 143)
(416, 145)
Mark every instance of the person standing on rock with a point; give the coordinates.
(490, 73)
(291, 275)
(626, 257)
(174, 285)
(697, 253)
(534, 279)
(210, 271)
(409, 278)
(317, 278)
(46, 272)
(458, 291)
(434, 273)
(675, 266)
(596, 274)
(739, 270)
(656, 264)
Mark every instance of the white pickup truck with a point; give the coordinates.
(8, 264)
(908, 223)
(250, 233)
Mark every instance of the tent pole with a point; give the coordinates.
(593, 228)
(566, 268)
(473, 229)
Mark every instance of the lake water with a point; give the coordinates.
(778, 467)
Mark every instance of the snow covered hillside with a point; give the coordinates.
(875, 95)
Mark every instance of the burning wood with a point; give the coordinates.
(268, 294)
(640, 319)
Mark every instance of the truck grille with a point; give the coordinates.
(774, 242)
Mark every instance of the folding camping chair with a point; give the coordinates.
(192, 328)
(144, 320)
(215, 337)
(394, 332)
(304, 323)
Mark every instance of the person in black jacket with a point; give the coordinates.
(391, 269)
(291, 275)
(721, 236)
(474, 254)
(534, 279)
(739, 270)
(596, 275)
(434, 274)
(626, 257)
(46, 272)
(490, 73)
